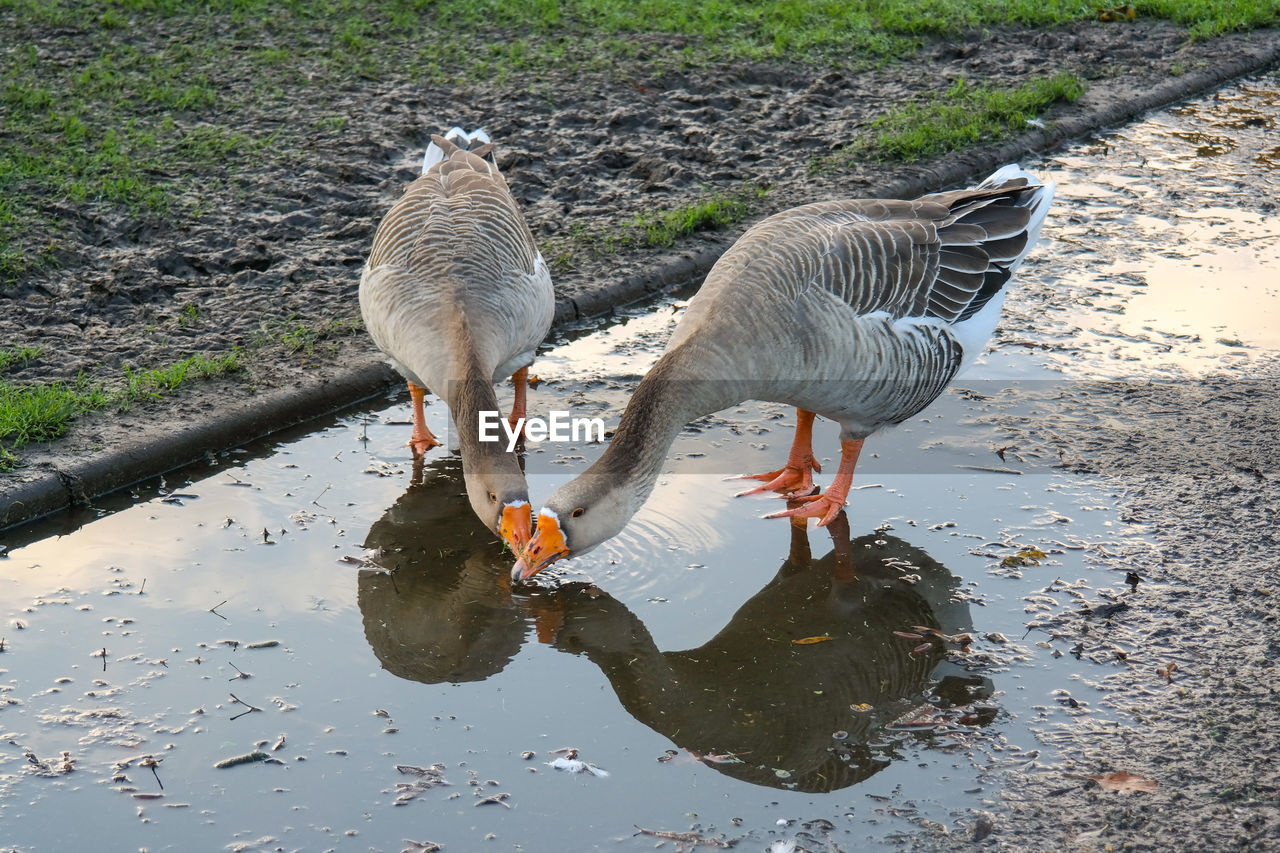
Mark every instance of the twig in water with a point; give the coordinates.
(682, 838)
(242, 674)
(214, 609)
(142, 588)
(991, 469)
(315, 500)
(153, 763)
(240, 701)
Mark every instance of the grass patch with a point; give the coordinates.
(660, 228)
(44, 411)
(665, 227)
(299, 338)
(968, 115)
(17, 356)
(30, 413)
(155, 383)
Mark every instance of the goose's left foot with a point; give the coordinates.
(826, 507)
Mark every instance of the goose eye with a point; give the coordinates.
(577, 512)
(493, 498)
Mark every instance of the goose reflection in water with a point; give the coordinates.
(441, 609)
(751, 702)
(782, 712)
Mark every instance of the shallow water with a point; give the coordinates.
(667, 657)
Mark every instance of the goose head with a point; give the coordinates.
(578, 517)
(499, 497)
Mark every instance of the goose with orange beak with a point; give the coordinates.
(862, 311)
(457, 295)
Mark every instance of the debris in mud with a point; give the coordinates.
(688, 840)
(240, 701)
(248, 758)
(428, 778)
(808, 641)
(1125, 783)
(1024, 557)
(929, 719)
(494, 799)
(569, 762)
(1104, 611)
(44, 768)
(421, 846)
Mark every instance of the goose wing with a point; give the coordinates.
(942, 256)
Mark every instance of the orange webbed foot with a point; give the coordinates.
(789, 480)
(420, 444)
(824, 507)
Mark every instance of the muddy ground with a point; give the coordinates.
(585, 153)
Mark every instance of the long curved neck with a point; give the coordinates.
(468, 398)
(678, 389)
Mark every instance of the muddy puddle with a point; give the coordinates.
(310, 645)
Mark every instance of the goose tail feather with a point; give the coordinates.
(472, 141)
(1037, 203)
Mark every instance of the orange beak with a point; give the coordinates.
(547, 546)
(516, 525)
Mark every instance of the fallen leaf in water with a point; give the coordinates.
(808, 641)
(1024, 557)
(1166, 672)
(1125, 783)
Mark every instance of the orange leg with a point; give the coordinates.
(797, 476)
(827, 506)
(521, 380)
(422, 439)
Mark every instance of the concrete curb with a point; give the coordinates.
(57, 485)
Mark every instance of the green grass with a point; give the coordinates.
(155, 383)
(665, 227)
(30, 413)
(300, 338)
(17, 356)
(39, 412)
(967, 115)
(660, 228)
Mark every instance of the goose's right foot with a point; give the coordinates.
(796, 477)
(790, 480)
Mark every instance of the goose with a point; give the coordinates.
(457, 296)
(861, 311)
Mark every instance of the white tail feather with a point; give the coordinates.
(458, 137)
(1039, 204)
